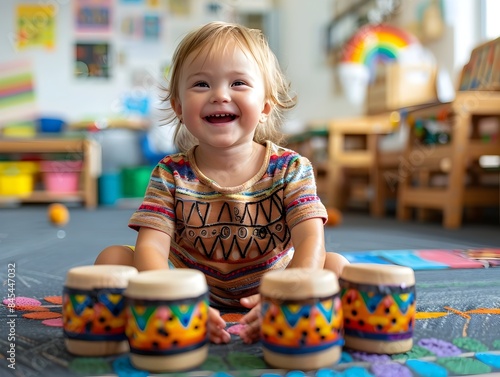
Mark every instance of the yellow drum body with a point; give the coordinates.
(167, 317)
(301, 318)
(379, 304)
(93, 309)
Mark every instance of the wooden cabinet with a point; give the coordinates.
(88, 151)
(456, 161)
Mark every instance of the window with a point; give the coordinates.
(491, 26)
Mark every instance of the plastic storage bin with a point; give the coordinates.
(50, 125)
(135, 180)
(17, 177)
(16, 185)
(110, 188)
(61, 176)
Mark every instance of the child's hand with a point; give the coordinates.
(251, 332)
(216, 326)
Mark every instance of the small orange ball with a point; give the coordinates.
(58, 214)
(334, 216)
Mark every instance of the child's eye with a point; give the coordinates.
(201, 84)
(238, 83)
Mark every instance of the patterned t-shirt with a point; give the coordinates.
(232, 234)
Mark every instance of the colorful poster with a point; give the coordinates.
(138, 27)
(151, 27)
(17, 94)
(92, 60)
(35, 26)
(93, 16)
(130, 27)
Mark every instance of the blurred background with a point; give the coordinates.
(91, 70)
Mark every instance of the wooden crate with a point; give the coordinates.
(398, 86)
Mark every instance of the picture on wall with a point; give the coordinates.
(151, 26)
(139, 27)
(17, 91)
(35, 26)
(93, 16)
(180, 7)
(130, 27)
(92, 60)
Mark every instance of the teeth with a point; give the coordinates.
(221, 115)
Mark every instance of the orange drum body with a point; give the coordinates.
(301, 318)
(379, 305)
(94, 309)
(167, 316)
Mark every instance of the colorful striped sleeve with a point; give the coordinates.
(157, 208)
(301, 199)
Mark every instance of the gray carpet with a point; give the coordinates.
(42, 256)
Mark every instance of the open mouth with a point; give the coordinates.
(220, 118)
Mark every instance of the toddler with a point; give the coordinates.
(233, 203)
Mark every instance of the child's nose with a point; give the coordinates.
(220, 94)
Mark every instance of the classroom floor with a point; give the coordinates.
(42, 255)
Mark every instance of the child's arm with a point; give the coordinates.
(151, 253)
(308, 239)
(151, 250)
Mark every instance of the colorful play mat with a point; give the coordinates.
(457, 328)
(429, 357)
(432, 259)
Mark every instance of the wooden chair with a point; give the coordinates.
(351, 155)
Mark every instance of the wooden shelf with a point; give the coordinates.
(90, 153)
(43, 197)
(457, 156)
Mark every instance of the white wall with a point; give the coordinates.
(467, 29)
(302, 55)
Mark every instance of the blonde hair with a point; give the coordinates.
(214, 36)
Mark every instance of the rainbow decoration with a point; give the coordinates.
(373, 44)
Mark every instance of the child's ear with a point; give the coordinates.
(177, 107)
(266, 111)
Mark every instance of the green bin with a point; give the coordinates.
(135, 181)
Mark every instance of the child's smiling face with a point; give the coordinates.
(221, 96)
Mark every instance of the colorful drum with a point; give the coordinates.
(167, 317)
(301, 318)
(93, 309)
(379, 305)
